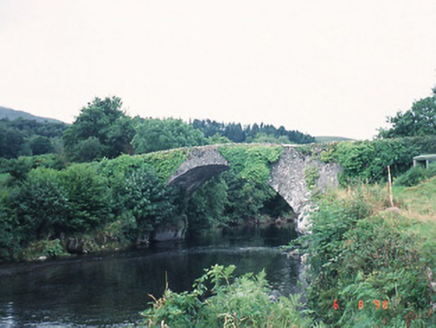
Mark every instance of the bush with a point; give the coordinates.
(415, 175)
(9, 240)
(39, 205)
(241, 302)
(155, 134)
(88, 196)
(368, 160)
(207, 205)
(147, 201)
(53, 248)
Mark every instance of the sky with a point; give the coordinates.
(336, 67)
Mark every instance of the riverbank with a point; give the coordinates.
(111, 290)
(369, 265)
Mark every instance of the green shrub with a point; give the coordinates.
(39, 205)
(9, 239)
(241, 302)
(53, 248)
(89, 197)
(146, 203)
(166, 163)
(415, 175)
(207, 205)
(247, 179)
(156, 134)
(368, 160)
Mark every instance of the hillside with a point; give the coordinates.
(13, 114)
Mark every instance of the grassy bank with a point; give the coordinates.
(370, 263)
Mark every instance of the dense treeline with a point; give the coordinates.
(235, 132)
(22, 137)
(103, 129)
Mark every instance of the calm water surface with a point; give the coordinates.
(110, 291)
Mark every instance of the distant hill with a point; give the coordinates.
(331, 139)
(13, 114)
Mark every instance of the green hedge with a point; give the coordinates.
(368, 160)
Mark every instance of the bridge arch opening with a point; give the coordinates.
(229, 201)
(194, 178)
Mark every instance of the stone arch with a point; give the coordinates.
(202, 164)
(287, 176)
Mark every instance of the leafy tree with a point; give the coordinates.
(247, 179)
(19, 168)
(420, 120)
(88, 150)
(246, 198)
(31, 127)
(39, 205)
(154, 135)
(207, 205)
(89, 197)
(11, 142)
(22, 137)
(144, 202)
(217, 139)
(104, 120)
(41, 145)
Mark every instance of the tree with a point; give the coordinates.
(420, 120)
(104, 120)
(39, 205)
(88, 195)
(154, 135)
(11, 142)
(234, 132)
(41, 145)
(88, 150)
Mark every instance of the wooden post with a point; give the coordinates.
(391, 198)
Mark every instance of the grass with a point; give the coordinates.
(418, 202)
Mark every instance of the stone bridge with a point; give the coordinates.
(287, 175)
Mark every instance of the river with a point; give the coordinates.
(111, 290)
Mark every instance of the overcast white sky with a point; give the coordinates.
(336, 67)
